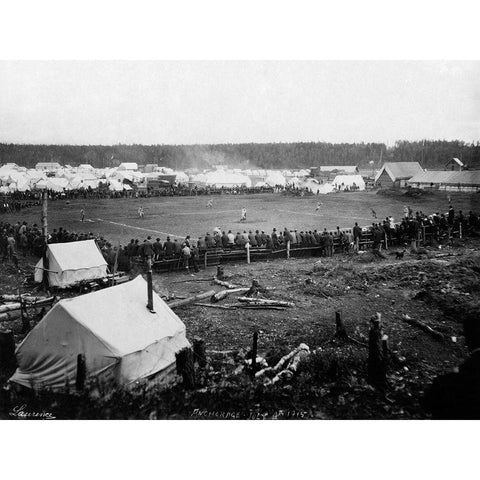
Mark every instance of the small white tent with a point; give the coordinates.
(121, 340)
(72, 262)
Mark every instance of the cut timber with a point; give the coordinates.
(292, 367)
(425, 328)
(216, 281)
(290, 361)
(260, 307)
(25, 298)
(187, 301)
(19, 305)
(263, 301)
(195, 280)
(222, 307)
(224, 294)
(284, 360)
(9, 316)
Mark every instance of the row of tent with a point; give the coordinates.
(15, 178)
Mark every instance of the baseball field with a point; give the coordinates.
(118, 219)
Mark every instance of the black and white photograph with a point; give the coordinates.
(155, 265)
(211, 238)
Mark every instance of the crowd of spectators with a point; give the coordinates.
(27, 239)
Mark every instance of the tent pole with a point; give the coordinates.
(150, 286)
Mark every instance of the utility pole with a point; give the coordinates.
(45, 240)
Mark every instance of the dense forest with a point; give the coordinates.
(431, 154)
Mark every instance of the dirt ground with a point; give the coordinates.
(437, 288)
(117, 219)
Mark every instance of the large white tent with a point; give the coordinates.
(72, 262)
(275, 178)
(343, 181)
(121, 340)
(225, 178)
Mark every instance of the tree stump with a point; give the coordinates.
(385, 351)
(7, 350)
(81, 373)
(376, 362)
(186, 367)
(25, 324)
(255, 289)
(340, 330)
(199, 352)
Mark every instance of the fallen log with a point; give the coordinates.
(224, 294)
(288, 372)
(194, 280)
(263, 301)
(292, 360)
(10, 316)
(188, 300)
(260, 307)
(222, 307)
(425, 328)
(19, 305)
(286, 358)
(24, 297)
(216, 281)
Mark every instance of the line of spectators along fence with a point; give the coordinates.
(222, 246)
(15, 201)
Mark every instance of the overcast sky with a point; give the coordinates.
(228, 102)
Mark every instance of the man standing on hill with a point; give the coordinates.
(451, 216)
(357, 234)
(157, 249)
(186, 253)
(168, 248)
(148, 248)
(82, 215)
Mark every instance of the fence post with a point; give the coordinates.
(254, 353)
(288, 249)
(460, 230)
(248, 252)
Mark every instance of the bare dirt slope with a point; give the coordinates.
(437, 288)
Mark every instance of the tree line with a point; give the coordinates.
(431, 154)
